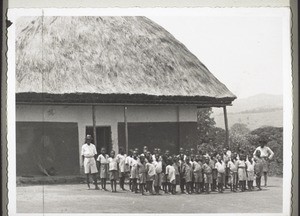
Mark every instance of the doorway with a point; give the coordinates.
(103, 137)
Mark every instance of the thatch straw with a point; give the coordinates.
(108, 55)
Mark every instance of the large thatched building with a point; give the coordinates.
(125, 80)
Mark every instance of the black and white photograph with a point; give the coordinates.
(157, 110)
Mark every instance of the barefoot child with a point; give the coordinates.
(207, 171)
(128, 168)
(103, 161)
(197, 174)
(188, 175)
(113, 171)
(121, 157)
(150, 169)
(232, 165)
(171, 176)
(242, 173)
(176, 166)
(250, 173)
(158, 173)
(134, 171)
(212, 164)
(164, 165)
(220, 166)
(258, 169)
(141, 166)
(181, 172)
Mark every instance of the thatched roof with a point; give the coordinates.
(102, 56)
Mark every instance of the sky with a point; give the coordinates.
(243, 52)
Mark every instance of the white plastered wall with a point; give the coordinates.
(105, 116)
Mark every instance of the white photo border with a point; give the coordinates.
(284, 13)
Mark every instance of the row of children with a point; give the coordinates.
(195, 173)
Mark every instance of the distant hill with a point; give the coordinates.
(255, 111)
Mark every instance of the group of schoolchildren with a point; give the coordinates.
(148, 172)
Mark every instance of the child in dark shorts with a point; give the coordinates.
(188, 175)
(141, 166)
(212, 164)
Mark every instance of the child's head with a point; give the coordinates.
(170, 161)
(201, 158)
(207, 160)
(103, 150)
(155, 151)
(257, 153)
(167, 152)
(145, 149)
(130, 152)
(181, 151)
(250, 158)
(192, 151)
(112, 153)
(219, 158)
(121, 150)
(175, 159)
(150, 160)
(137, 150)
(159, 151)
(142, 158)
(187, 160)
(242, 157)
(135, 154)
(197, 158)
(187, 152)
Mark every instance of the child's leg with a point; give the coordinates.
(207, 188)
(182, 183)
(104, 183)
(165, 187)
(240, 186)
(259, 182)
(95, 181)
(111, 185)
(187, 187)
(115, 183)
(130, 184)
(214, 185)
(135, 187)
(121, 182)
(88, 180)
(142, 188)
(150, 188)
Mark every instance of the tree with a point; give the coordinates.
(239, 128)
(205, 126)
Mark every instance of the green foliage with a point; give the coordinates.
(241, 139)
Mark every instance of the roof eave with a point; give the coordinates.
(120, 99)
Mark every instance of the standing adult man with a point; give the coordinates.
(266, 155)
(88, 152)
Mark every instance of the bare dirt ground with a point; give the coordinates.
(77, 199)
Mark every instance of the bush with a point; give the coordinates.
(241, 139)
